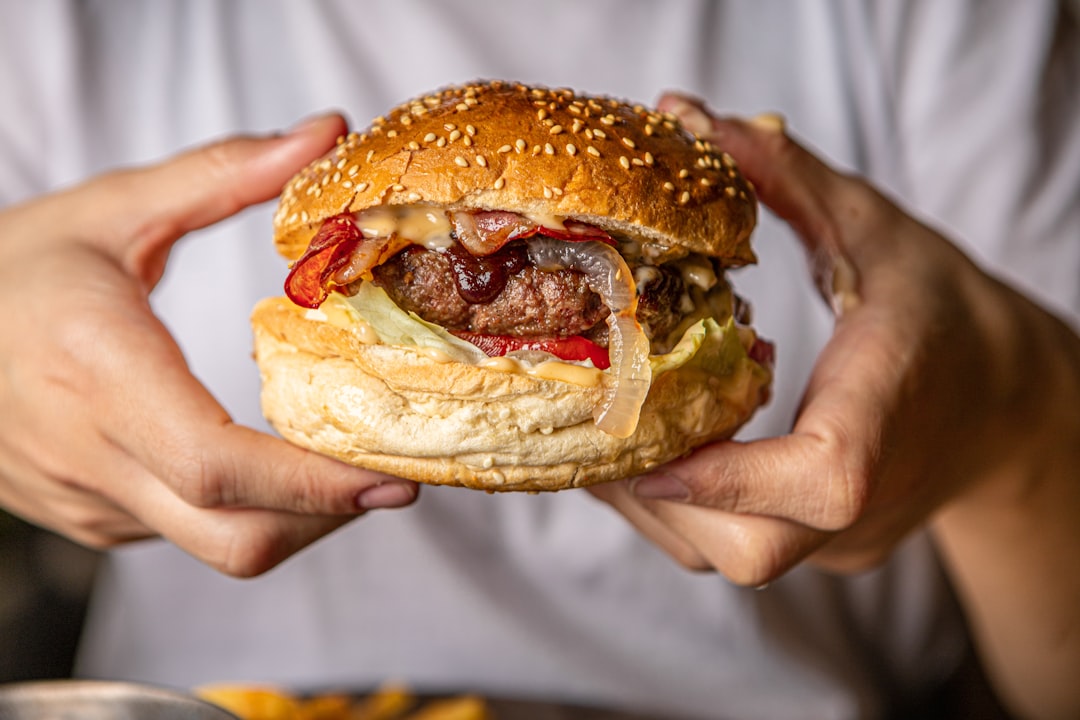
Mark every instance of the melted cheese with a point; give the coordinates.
(423, 224)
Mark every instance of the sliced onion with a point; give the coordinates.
(607, 275)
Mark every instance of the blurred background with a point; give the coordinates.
(44, 585)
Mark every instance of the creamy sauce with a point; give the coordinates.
(423, 224)
(546, 370)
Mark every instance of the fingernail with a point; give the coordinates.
(386, 495)
(773, 122)
(307, 124)
(662, 486)
(692, 117)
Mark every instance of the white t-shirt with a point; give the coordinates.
(947, 106)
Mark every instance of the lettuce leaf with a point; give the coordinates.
(394, 326)
(715, 348)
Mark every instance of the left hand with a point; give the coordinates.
(915, 400)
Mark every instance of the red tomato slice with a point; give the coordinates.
(571, 348)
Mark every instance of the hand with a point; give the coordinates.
(105, 436)
(921, 396)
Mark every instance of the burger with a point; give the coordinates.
(507, 287)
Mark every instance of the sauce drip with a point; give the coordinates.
(482, 279)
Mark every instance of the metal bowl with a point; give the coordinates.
(92, 699)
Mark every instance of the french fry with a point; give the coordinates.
(466, 707)
(251, 702)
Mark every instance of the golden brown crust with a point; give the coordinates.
(538, 151)
(398, 411)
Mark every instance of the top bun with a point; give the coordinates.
(534, 151)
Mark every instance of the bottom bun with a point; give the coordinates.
(402, 412)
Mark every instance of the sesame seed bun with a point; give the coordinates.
(328, 385)
(535, 151)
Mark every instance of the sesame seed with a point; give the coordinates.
(441, 142)
(670, 187)
(520, 145)
(461, 162)
(454, 135)
(541, 114)
(391, 134)
(628, 143)
(362, 187)
(293, 218)
(370, 154)
(547, 193)
(706, 182)
(577, 125)
(592, 151)
(649, 158)
(449, 126)
(684, 173)
(347, 184)
(467, 141)
(608, 120)
(325, 180)
(470, 101)
(649, 130)
(588, 133)
(406, 120)
(637, 161)
(397, 187)
(413, 145)
(684, 198)
(572, 149)
(730, 191)
(415, 196)
(625, 162)
(337, 177)
(481, 161)
(461, 107)
(555, 130)
(600, 134)
(549, 148)
(470, 130)
(576, 109)
(353, 170)
(557, 191)
(505, 149)
(342, 163)
(430, 137)
(537, 150)
(499, 183)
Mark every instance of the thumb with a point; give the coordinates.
(136, 215)
(809, 195)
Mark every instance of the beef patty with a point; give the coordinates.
(503, 294)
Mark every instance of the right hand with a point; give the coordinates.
(105, 435)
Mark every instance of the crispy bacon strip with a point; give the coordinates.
(308, 283)
(483, 232)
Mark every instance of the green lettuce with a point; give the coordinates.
(715, 348)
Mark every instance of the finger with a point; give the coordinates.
(748, 550)
(237, 542)
(133, 214)
(156, 411)
(807, 193)
(821, 475)
(618, 495)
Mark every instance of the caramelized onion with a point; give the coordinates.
(608, 275)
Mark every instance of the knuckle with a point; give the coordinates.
(758, 560)
(249, 555)
(196, 481)
(847, 480)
